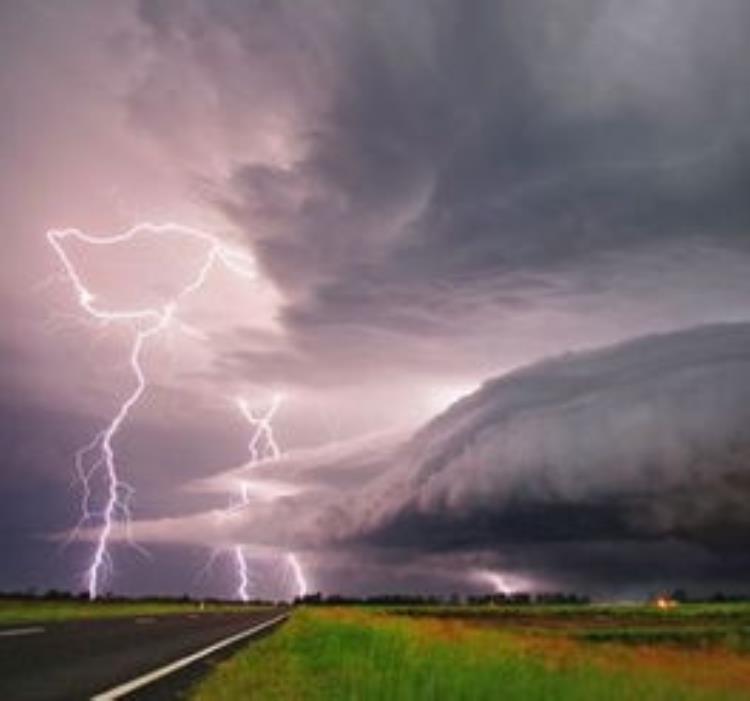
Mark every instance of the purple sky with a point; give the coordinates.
(438, 196)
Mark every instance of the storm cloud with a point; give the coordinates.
(436, 193)
(573, 468)
(481, 172)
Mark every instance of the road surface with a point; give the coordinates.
(79, 660)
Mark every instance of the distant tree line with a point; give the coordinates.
(318, 598)
(683, 597)
(32, 594)
(515, 599)
(510, 599)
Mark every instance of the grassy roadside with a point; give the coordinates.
(623, 613)
(24, 611)
(332, 655)
(699, 626)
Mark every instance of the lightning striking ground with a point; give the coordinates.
(502, 583)
(262, 446)
(243, 578)
(298, 573)
(99, 454)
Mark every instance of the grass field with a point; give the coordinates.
(14, 611)
(465, 653)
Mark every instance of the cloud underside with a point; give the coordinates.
(435, 193)
(592, 468)
(493, 173)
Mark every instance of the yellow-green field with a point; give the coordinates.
(634, 653)
(13, 611)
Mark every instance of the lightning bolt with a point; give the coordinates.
(99, 456)
(262, 444)
(501, 583)
(243, 578)
(261, 447)
(298, 573)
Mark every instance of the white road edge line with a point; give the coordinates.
(118, 692)
(21, 631)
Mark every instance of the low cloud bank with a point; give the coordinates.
(587, 469)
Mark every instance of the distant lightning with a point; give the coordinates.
(497, 581)
(243, 579)
(299, 575)
(261, 447)
(501, 583)
(149, 322)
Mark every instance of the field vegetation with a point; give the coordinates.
(580, 653)
(27, 610)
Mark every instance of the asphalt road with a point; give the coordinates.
(77, 660)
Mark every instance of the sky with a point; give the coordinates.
(500, 261)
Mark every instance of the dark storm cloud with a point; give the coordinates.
(582, 471)
(585, 469)
(645, 440)
(36, 491)
(479, 161)
(438, 192)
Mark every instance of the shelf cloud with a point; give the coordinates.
(634, 448)
(435, 194)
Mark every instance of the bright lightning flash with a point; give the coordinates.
(147, 322)
(299, 574)
(262, 446)
(501, 583)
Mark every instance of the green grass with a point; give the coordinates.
(625, 612)
(689, 625)
(335, 656)
(24, 611)
(736, 638)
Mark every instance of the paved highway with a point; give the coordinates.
(146, 658)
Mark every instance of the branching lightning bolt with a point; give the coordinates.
(298, 574)
(262, 446)
(243, 579)
(99, 454)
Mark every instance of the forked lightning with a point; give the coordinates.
(147, 322)
(262, 446)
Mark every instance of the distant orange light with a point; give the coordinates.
(664, 603)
